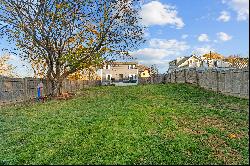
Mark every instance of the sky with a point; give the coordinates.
(177, 28)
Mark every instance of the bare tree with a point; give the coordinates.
(154, 71)
(60, 37)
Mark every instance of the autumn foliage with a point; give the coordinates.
(86, 74)
(237, 61)
(6, 69)
(62, 37)
(213, 55)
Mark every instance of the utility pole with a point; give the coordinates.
(210, 59)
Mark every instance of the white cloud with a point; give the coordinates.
(203, 37)
(171, 45)
(199, 51)
(155, 53)
(241, 7)
(223, 36)
(160, 51)
(184, 36)
(224, 16)
(156, 13)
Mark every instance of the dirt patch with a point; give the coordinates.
(65, 96)
(212, 122)
(193, 131)
(222, 151)
(182, 121)
(188, 126)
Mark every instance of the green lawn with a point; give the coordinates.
(150, 124)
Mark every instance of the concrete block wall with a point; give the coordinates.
(234, 82)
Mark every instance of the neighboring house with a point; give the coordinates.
(185, 62)
(212, 60)
(144, 71)
(215, 63)
(172, 65)
(191, 61)
(124, 72)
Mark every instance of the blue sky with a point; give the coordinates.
(181, 27)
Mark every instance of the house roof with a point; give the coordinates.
(124, 63)
(186, 58)
(183, 60)
(143, 68)
(173, 62)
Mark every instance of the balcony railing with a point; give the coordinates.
(123, 81)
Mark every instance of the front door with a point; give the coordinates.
(108, 77)
(120, 77)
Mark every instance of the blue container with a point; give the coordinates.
(39, 93)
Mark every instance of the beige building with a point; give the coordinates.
(120, 72)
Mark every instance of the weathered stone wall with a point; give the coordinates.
(14, 90)
(233, 82)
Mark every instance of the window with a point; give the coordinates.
(107, 66)
(120, 77)
(132, 77)
(108, 77)
(215, 64)
(131, 66)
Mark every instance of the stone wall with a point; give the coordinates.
(233, 82)
(14, 90)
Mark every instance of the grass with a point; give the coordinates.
(150, 124)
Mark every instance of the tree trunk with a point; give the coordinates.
(52, 82)
(57, 80)
(56, 87)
